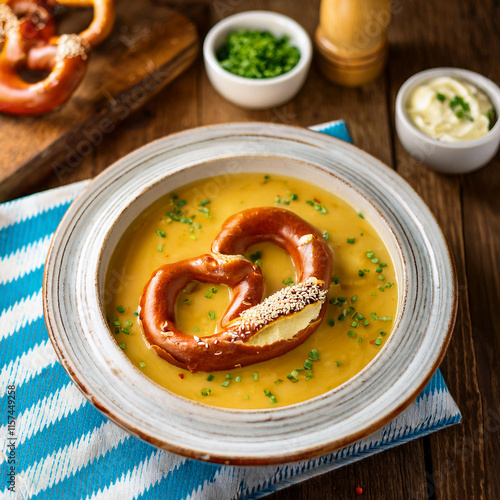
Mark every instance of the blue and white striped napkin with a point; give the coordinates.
(61, 447)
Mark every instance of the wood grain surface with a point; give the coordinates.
(461, 462)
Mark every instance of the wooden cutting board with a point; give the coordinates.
(150, 45)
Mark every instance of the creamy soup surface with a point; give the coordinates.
(363, 295)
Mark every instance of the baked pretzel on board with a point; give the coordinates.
(27, 32)
(252, 331)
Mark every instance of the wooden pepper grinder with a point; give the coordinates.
(351, 40)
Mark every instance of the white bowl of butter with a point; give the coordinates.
(448, 119)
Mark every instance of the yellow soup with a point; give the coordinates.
(362, 299)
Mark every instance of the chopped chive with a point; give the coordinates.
(193, 237)
(309, 374)
(360, 339)
(354, 298)
(278, 382)
(338, 363)
(159, 248)
(366, 270)
(292, 378)
(210, 378)
(206, 392)
(332, 300)
(277, 200)
(386, 318)
(374, 316)
(117, 330)
(117, 323)
(196, 329)
(308, 364)
(120, 309)
(255, 376)
(361, 215)
(342, 299)
(326, 236)
(286, 202)
(229, 376)
(225, 383)
(375, 260)
(210, 292)
(267, 392)
(351, 240)
(142, 364)
(366, 322)
(125, 330)
(361, 273)
(379, 269)
(341, 317)
(373, 293)
(440, 97)
(382, 333)
(309, 202)
(246, 397)
(354, 324)
(378, 341)
(211, 314)
(273, 399)
(331, 322)
(258, 262)
(381, 288)
(288, 281)
(351, 333)
(181, 203)
(381, 277)
(204, 203)
(314, 355)
(350, 311)
(370, 255)
(187, 302)
(122, 345)
(359, 316)
(161, 233)
(129, 323)
(266, 179)
(238, 379)
(293, 197)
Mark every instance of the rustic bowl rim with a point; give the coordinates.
(275, 132)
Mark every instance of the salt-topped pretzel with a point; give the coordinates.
(251, 331)
(19, 97)
(29, 42)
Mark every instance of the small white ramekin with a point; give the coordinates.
(253, 93)
(447, 157)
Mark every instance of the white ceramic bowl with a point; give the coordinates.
(255, 93)
(74, 288)
(446, 157)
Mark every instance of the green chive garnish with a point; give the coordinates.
(122, 345)
(255, 376)
(440, 97)
(225, 383)
(238, 379)
(331, 322)
(161, 233)
(361, 273)
(351, 333)
(206, 392)
(293, 197)
(142, 364)
(351, 240)
(210, 377)
(314, 355)
(211, 314)
(120, 309)
(370, 255)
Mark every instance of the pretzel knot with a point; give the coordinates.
(251, 331)
(27, 32)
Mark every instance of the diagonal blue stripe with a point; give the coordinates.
(32, 229)
(59, 434)
(22, 341)
(21, 287)
(42, 386)
(182, 482)
(102, 472)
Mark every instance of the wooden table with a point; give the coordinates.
(461, 462)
